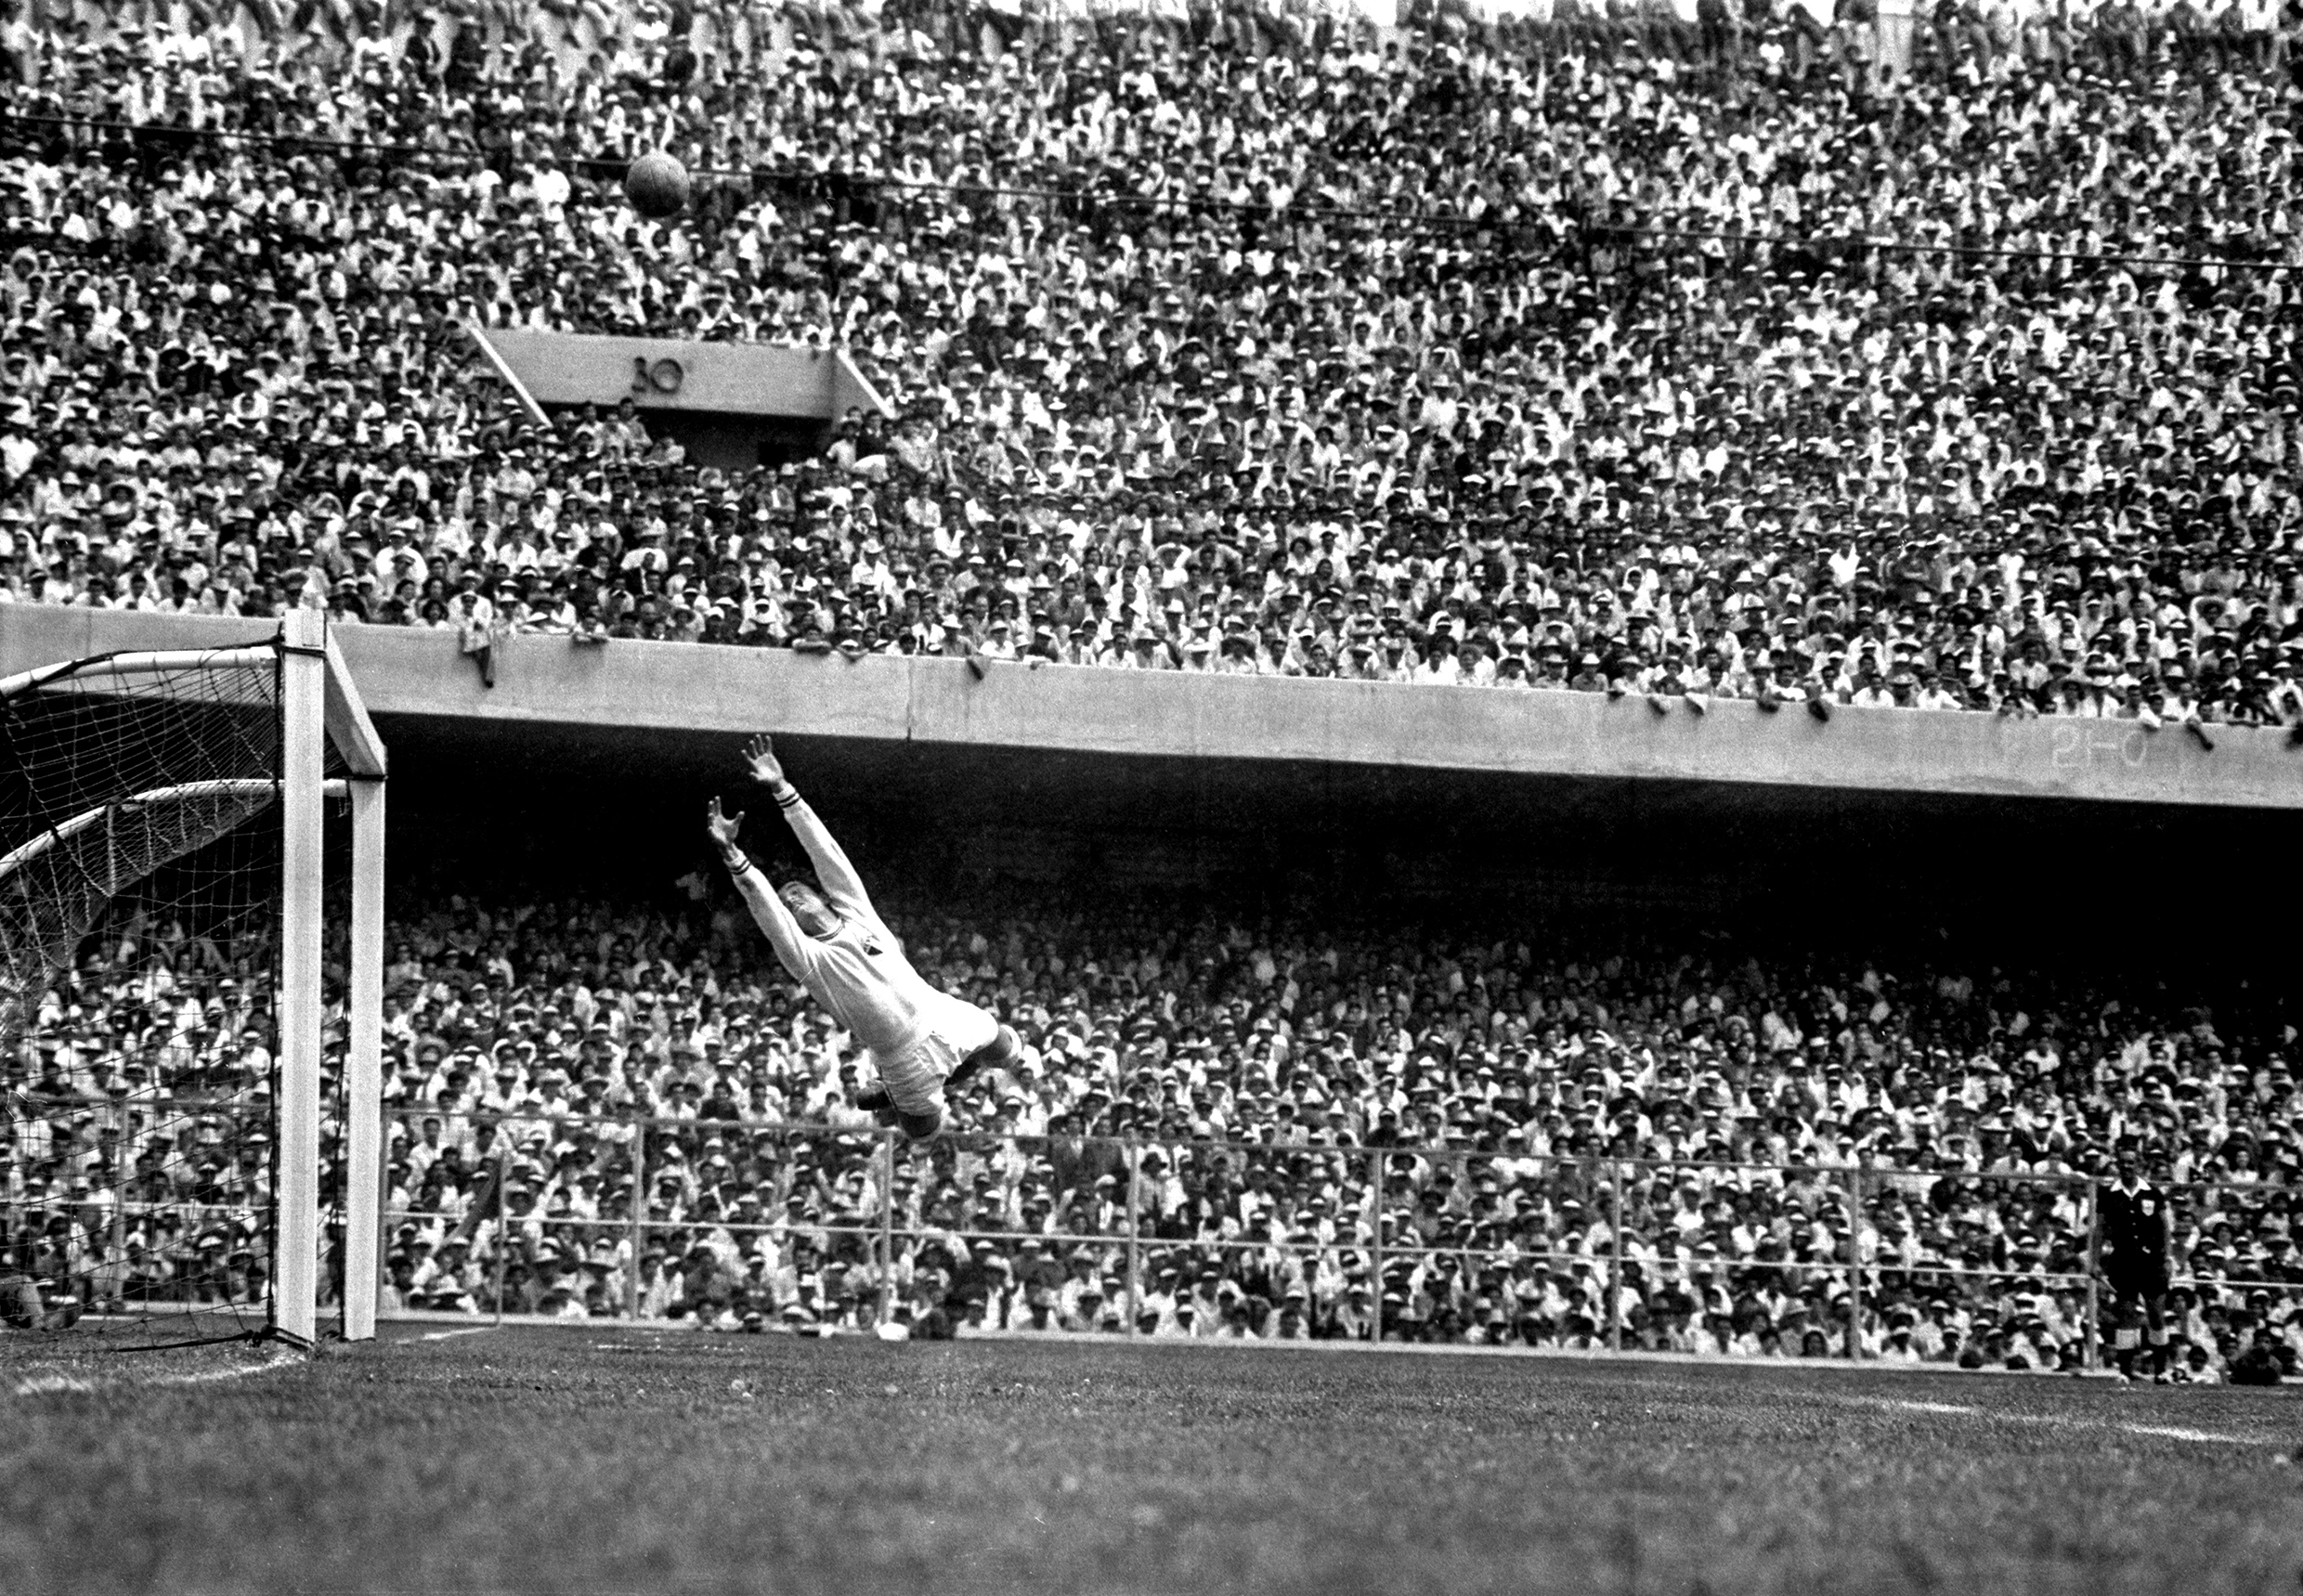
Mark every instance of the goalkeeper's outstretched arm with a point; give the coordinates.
(832, 866)
(794, 949)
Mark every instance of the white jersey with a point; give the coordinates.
(859, 972)
(916, 1034)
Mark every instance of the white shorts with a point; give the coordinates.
(914, 1074)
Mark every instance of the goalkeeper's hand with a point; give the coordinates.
(722, 827)
(875, 1101)
(766, 768)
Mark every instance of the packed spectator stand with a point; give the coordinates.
(613, 1109)
(1572, 350)
(1543, 353)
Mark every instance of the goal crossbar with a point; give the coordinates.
(150, 662)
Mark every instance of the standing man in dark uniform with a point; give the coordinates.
(2134, 1228)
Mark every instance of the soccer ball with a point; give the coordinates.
(656, 186)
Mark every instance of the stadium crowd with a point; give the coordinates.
(1532, 352)
(1223, 1130)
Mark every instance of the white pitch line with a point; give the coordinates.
(2062, 1421)
(446, 1335)
(64, 1384)
(2168, 1431)
(2174, 1433)
(211, 1375)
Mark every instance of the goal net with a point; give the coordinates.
(154, 1187)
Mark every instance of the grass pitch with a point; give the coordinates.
(587, 1460)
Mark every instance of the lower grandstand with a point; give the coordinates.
(1260, 1127)
(1599, 1118)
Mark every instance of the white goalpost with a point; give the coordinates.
(137, 793)
(319, 703)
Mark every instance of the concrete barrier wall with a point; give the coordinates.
(695, 689)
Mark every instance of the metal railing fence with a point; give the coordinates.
(1584, 1249)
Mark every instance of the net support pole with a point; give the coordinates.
(1378, 1174)
(1855, 1262)
(887, 1227)
(1376, 1239)
(363, 1067)
(636, 1217)
(303, 669)
(503, 1214)
(1623, 1173)
(1135, 1235)
(116, 1231)
(2091, 1338)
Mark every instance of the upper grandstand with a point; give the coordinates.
(1579, 349)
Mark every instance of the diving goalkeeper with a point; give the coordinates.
(834, 944)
